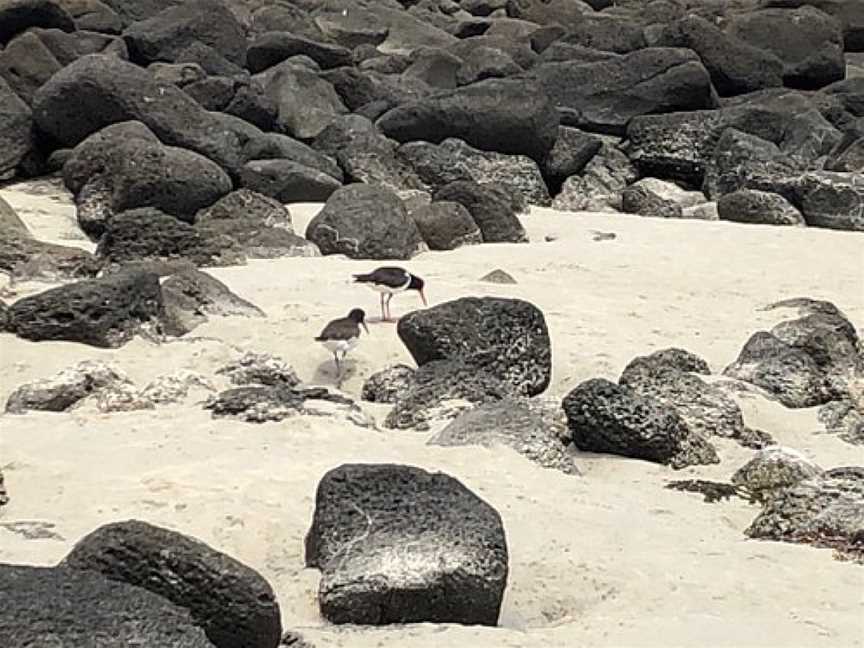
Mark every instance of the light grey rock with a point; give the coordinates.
(65, 388)
(772, 469)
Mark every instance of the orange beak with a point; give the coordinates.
(366, 328)
(423, 297)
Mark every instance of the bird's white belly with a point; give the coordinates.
(339, 345)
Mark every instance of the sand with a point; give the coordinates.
(611, 558)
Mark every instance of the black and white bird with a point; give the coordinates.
(388, 281)
(341, 335)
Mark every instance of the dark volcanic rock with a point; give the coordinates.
(148, 234)
(273, 47)
(23, 257)
(833, 200)
(536, 430)
(807, 41)
(787, 372)
(446, 226)
(773, 469)
(121, 173)
(507, 338)
(820, 510)
(600, 185)
(99, 90)
(735, 66)
(288, 181)
(79, 608)
(603, 96)
(259, 369)
(104, 312)
(305, 103)
(65, 388)
(605, 417)
(572, 151)
(440, 390)
(486, 63)
(504, 115)
(762, 207)
(233, 603)
(671, 377)
(27, 64)
(16, 125)
(175, 33)
(491, 207)
(365, 154)
(190, 296)
(445, 561)
(453, 160)
(17, 16)
(95, 16)
(259, 226)
(365, 222)
(388, 385)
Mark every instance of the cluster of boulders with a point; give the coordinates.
(180, 127)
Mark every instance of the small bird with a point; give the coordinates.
(388, 281)
(343, 334)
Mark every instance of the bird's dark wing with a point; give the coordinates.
(340, 329)
(390, 276)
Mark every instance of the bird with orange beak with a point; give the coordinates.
(388, 281)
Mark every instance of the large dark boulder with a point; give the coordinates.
(507, 338)
(505, 115)
(451, 160)
(736, 67)
(176, 31)
(491, 207)
(147, 234)
(105, 312)
(536, 430)
(600, 185)
(260, 226)
(831, 199)
(446, 225)
(16, 125)
(288, 181)
(271, 48)
(305, 103)
(17, 16)
(42, 606)
(760, 207)
(573, 150)
(673, 377)
(365, 222)
(68, 47)
(603, 96)
(134, 10)
(605, 417)
(787, 372)
(26, 64)
(117, 173)
(431, 550)
(365, 154)
(99, 90)
(807, 41)
(486, 62)
(231, 602)
(95, 16)
(441, 389)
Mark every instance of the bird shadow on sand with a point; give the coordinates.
(326, 374)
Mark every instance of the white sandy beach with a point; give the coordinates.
(608, 559)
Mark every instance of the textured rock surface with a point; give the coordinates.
(446, 225)
(81, 608)
(605, 417)
(259, 369)
(761, 207)
(388, 385)
(365, 222)
(773, 469)
(535, 429)
(232, 602)
(104, 312)
(62, 390)
(439, 390)
(397, 544)
(507, 338)
(491, 207)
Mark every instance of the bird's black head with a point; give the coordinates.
(418, 284)
(357, 315)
